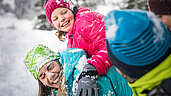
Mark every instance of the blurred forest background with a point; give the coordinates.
(33, 9)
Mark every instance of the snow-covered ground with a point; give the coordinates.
(16, 39)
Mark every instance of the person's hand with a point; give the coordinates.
(87, 81)
(86, 86)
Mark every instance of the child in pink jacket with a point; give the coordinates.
(84, 29)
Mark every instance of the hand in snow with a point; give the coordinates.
(87, 81)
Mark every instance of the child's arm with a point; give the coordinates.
(94, 33)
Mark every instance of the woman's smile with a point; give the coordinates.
(56, 79)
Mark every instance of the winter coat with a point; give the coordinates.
(153, 79)
(88, 33)
(110, 84)
(169, 31)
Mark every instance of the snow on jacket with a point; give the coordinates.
(110, 84)
(88, 33)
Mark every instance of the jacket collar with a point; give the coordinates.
(152, 78)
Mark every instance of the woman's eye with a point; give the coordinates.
(42, 76)
(50, 66)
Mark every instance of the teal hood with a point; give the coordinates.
(73, 60)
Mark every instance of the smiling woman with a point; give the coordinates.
(58, 74)
(50, 73)
(45, 66)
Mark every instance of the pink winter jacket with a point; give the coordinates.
(88, 33)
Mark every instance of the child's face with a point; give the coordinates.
(49, 74)
(63, 19)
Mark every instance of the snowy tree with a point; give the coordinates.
(92, 4)
(5, 7)
(41, 21)
(135, 4)
(24, 9)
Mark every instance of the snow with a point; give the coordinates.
(112, 26)
(158, 29)
(104, 9)
(17, 37)
(75, 50)
(10, 2)
(81, 63)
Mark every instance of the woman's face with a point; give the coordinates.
(49, 74)
(63, 19)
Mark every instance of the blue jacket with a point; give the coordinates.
(110, 84)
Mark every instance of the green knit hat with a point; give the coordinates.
(37, 57)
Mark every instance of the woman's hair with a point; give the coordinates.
(44, 90)
(47, 91)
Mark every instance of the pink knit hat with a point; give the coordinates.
(51, 5)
